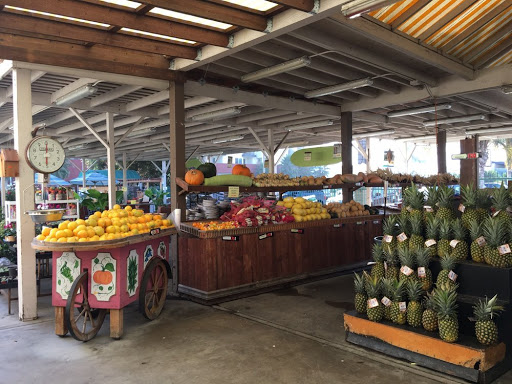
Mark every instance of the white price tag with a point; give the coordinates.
(495, 213)
(481, 241)
(462, 208)
(454, 243)
(421, 272)
(428, 208)
(452, 276)
(409, 209)
(504, 249)
(372, 303)
(402, 306)
(406, 270)
(430, 242)
(386, 301)
(233, 191)
(402, 237)
(388, 239)
(385, 266)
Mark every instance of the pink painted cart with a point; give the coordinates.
(92, 278)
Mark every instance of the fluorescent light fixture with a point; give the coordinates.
(287, 66)
(338, 88)
(259, 5)
(452, 120)
(373, 134)
(191, 18)
(221, 113)
(76, 147)
(227, 139)
(356, 8)
(506, 89)
(418, 138)
(314, 124)
(77, 94)
(416, 111)
(485, 131)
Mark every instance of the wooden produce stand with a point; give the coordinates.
(93, 278)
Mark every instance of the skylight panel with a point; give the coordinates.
(57, 16)
(137, 32)
(123, 3)
(193, 19)
(259, 5)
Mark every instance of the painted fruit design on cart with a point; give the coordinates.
(68, 269)
(148, 254)
(132, 273)
(103, 276)
(162, 250)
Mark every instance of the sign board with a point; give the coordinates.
(466, 156)
(307, 156)
(336, 151)
(233, 191)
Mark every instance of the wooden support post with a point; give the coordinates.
(116, 323)
(177, 160)
(111, 161)
(346, 149)
(60, 324)
(441, 151)
(469, 168)
(125, 181)
(25, 229)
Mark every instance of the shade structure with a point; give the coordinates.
(54, 180)
(91, 178)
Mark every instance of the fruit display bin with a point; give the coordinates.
(92, 279)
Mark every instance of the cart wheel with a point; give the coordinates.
(153, 290)
(82, 321)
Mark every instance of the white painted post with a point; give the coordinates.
(125, 181)
(3, 187)
(111, 161)
(25, 229)
(84, 170)
(164, 175)
(271, 168)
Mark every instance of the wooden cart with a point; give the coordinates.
(93, 278)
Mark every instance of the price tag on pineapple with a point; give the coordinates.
(481, 241)
(454, 243)
(504, 249)
(409, 209)
(452, 276)
(402, 306)
(233, 191)
(402, 237)
(421, 272)
(430, 242)
(385, 266)
(388, 239)
(496, 213)
(372, 303)
(462, 208)
(386, 301)
(428, 208)
(406, 270)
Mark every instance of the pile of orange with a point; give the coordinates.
(113, 224)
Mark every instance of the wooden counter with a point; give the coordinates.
(212, 270)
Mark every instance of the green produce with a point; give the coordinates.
(469, 196)
(208, 169)
(495, 234)
(398, 315)
(234, 180)
(445, 234)
(445, 210)
(374, 309)
(445, 302)
(485, 328)
(360, 297)
(477, 241)
(446, 276)
(459, 247)
(378, 258)
(414, 308)
(501, 201)
(429, 318)
(424, 273)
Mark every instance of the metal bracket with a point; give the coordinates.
(202, 81)
(199, 54)
(316, 7)
(270, 25)
(172, 64)
(236, 88)
(231, 41)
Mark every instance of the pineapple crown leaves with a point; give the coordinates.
(359, 284)
(423, 257)
(416, 225)
(483, 199)
(486, 309)
(387, 287)
(403, 225)
(500, 198)
(432, 228)
(428, 300)
(378, 253)
(448, 262)
(445, 229)
(494, 232)
(390, 256)
(469, 195)
(445, 196)
(407, 257)
(398, 290)
(415, 197)
(475, 229)
(414, 290)
(459, 232)
(373, 286)
(389, 226)
(445, 302)
(432, 196)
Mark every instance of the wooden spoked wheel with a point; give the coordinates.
(82, 321)
(153, 290)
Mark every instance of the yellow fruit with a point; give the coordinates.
(69, 232)
(124, 228)
(64, 224)
(300, 200)
(110, 229)
(91, 222)
(97, 214)
(53, 231)
(41, 237)
(103, 237)
(72, 225)
(137, 212)
(288, 205)
(72, 239)
(53, 240)
(157, 217)
(128, 208)
(107, 222)
(95, 238)
(110, 236)
(289, 199)
(101, 222)
(82, 234)
(83, 239)
(135, 231)
(117, 206)
(80, 222)
(166, 222)
(158, 223)
(280, 203)
(62, 240)
(99, 230)
(46, 231)
(298, 218)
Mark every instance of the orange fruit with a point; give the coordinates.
(97, 214)
(41, 237)
(82, 234)
(46, 231)
(62, 240)
(128, 208)
(95, 238)
(99, 230)
(69, 232)
(72, 239)
(53, 231)
(101, 222)
(108, 222)
(90, 232)
(117, 206)
(110, 229)
(64, 224)
(83, 239)
(157, 217)
(72, 225)
(80, 222)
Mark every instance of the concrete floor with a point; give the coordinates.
(289, 336)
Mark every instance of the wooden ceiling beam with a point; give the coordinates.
(301, 5)
(213, 11)
(23, 25)
(116, 17)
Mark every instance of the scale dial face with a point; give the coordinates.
(45, 154)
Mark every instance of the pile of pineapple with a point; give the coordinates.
(113, 224)
(400, 285)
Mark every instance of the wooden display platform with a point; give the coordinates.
(466, 358)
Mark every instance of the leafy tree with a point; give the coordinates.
(286, 166)
(506, 144)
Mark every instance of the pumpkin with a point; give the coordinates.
(194, 177)
(102, 277)
(241, 169)
(208, 169)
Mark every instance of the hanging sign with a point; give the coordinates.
(230, 238)
(466, 156)
(266, 164)
(230, 161)
(389, 158)
(336, 151)
(297, 230)
(307, 156)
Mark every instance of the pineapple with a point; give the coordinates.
(398, 289)
(445, 234)
(501, 201)
(459, 246)
(389, 228)
(483, 204)
(429, 317)
(495, 235)
(374, 308)
(469, 200)
(485, 329)
(360, 297)
(477, 246)
(446, 276)
(432, 235)
(404, 229)
(424, 272)
(392, 268)
(414, 308)
(415, 200)
(387, 290)
(416, 241)
(432, 199)
(445, 210)
(408, 261)
(378, 257)
(445, 304)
